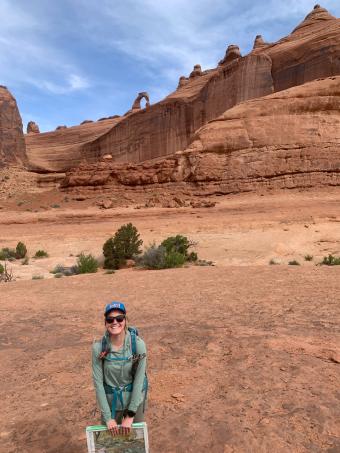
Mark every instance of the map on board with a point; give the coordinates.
(100, 440)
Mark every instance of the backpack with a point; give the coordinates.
(136, 358)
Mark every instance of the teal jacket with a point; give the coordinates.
(117, 373)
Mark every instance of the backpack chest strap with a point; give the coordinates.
(117, 394)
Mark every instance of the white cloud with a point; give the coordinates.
(74, 82)
(29, 57)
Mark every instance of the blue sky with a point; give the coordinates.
(70, 60)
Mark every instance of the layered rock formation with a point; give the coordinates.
(284, 140)
(311, 51)
(61, 149)
(12, 143)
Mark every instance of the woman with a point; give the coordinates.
(119, 371)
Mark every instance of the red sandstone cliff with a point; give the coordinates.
(12, 143)
(60, 150)
(311, 51)
(284, 140)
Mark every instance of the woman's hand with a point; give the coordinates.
(126, 425)
(112, 427)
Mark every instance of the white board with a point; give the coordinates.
(100, 440)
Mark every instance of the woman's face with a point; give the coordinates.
(115, 328)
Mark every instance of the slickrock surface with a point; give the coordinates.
(242, 357)
(232, 367)
(311, 51)
(12, 143)
(285, 140)
(61, 149)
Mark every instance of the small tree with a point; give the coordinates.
(125, 244)
(2, 269)
(179, 244)
(21, 250)
(87, 264)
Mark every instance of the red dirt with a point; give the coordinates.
(250, 352)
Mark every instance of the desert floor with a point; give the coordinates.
(243, 356)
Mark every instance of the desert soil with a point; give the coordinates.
(243, 356)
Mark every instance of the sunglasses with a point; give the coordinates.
(119, 318)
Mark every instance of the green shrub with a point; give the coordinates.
(157, 257)
(125, 244)
(174, 259)
(65, 270)
(7, 254)
(87, 264)
(6, 275)
(178, 244)
(21, 250)
(37, 277)
(331, 260)
(293, 263)
(58, 275)
(153, 257)
(25, 261)
(55, 206)
(110, 272)
(308, 257)
(41, 254)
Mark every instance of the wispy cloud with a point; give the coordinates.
(29, 57)
(74, 82)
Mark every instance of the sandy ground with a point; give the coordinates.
(243, 356)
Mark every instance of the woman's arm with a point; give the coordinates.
(98, 381)
(137, 391)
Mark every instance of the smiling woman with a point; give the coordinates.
(119, 371)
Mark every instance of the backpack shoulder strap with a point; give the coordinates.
(133, 333)
(104, 348)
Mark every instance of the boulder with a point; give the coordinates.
(12, 142)
(232, 53)
(197, 71)
(32, 128)
(182, 81)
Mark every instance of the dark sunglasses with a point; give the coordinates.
(119, 318)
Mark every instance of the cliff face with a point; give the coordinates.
(311, 51)
(60, 150)
(12, 143)
(169, 125)
(285, 140)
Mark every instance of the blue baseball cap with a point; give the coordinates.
(114, 305)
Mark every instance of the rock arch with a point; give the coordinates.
(136, 105)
